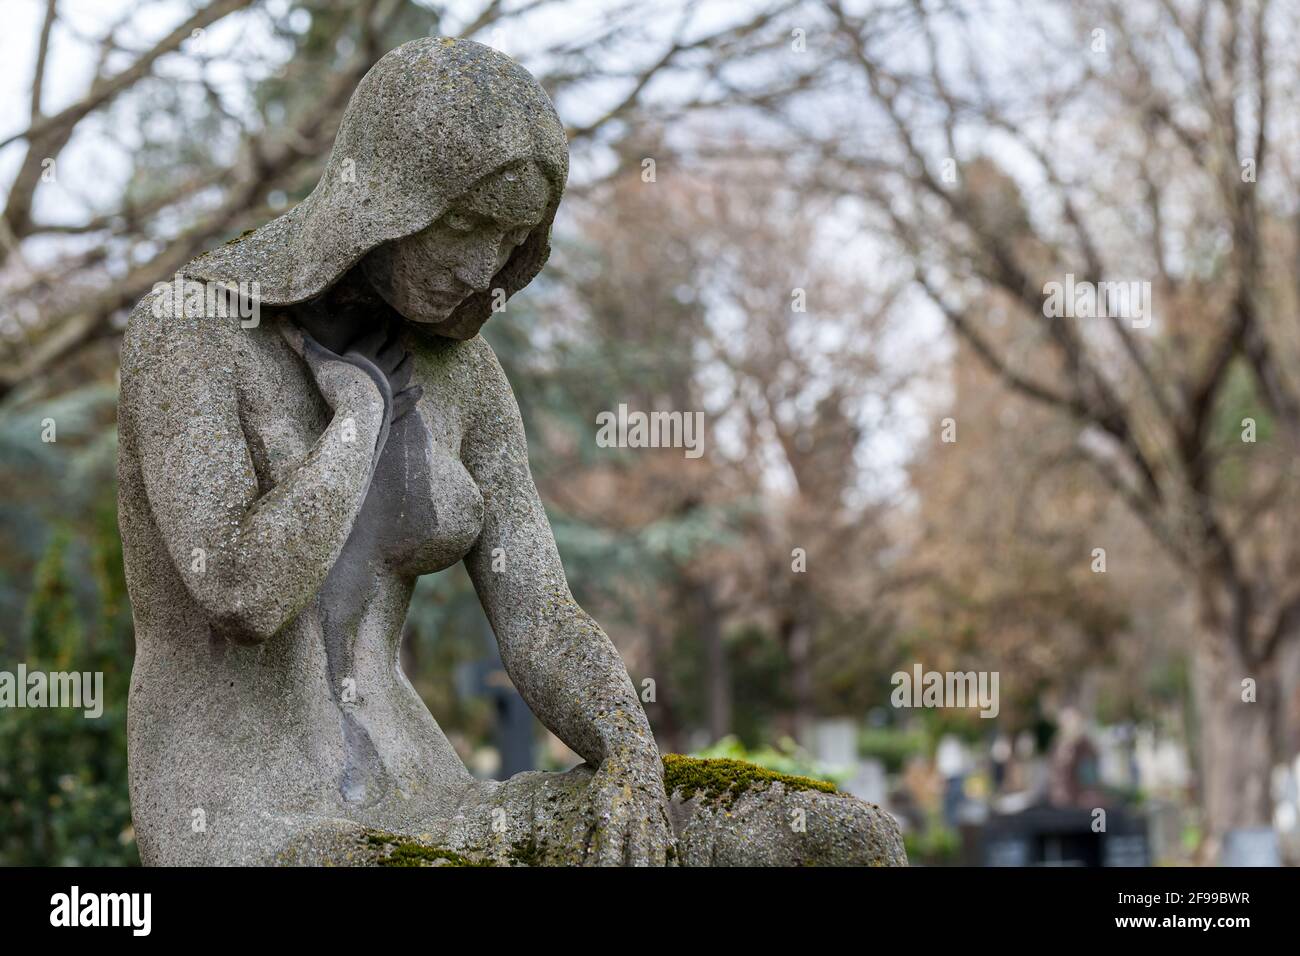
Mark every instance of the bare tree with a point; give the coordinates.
(707, 289)
(1108, 140)
(228, 168)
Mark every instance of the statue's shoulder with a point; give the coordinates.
(474, 380)
(477, 354)
(495, 391)
(468, 365)
(167, 348)
(174, 317)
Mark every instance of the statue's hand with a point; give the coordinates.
(374, 356)
(339, 380)
(381, 349)
(630, 811)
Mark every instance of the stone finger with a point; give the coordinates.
(400, 374)
(390, 354)
(639, 840)
(406, 400)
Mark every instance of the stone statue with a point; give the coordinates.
(284, 482)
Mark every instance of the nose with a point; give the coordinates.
(479, 262)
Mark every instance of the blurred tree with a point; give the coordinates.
(197, 126)
(223, 117)
(680, 298)
(1107, 141)
(62, 774)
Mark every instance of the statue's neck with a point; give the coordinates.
(341, 313)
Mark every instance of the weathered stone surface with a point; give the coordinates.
(283, 484)
(752, 817)
(724, 813)
(429, 121)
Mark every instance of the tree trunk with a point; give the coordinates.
(1235, 732)
(662, 711)
(797, 633)
(717, 666)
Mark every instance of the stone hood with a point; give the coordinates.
(427, 122)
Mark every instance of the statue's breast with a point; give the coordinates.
(423, 511)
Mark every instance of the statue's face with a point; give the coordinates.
(427, 275)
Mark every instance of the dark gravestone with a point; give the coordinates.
(514, 726)
(1064, 836)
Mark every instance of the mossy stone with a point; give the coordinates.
(723, 780)
(392, 849)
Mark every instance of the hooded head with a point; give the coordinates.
(441, 136)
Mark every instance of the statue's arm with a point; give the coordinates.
(559, 659)
(252, 561)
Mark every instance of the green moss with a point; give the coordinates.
(241, 237)
(724, 780)
(395, 850)
(527, 853)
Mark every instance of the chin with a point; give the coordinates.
(441, 323)
(458, 329)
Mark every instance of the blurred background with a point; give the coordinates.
(828, 227)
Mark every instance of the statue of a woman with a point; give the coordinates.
(284, 482)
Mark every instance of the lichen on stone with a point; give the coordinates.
(392, 849)
(724, 780)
